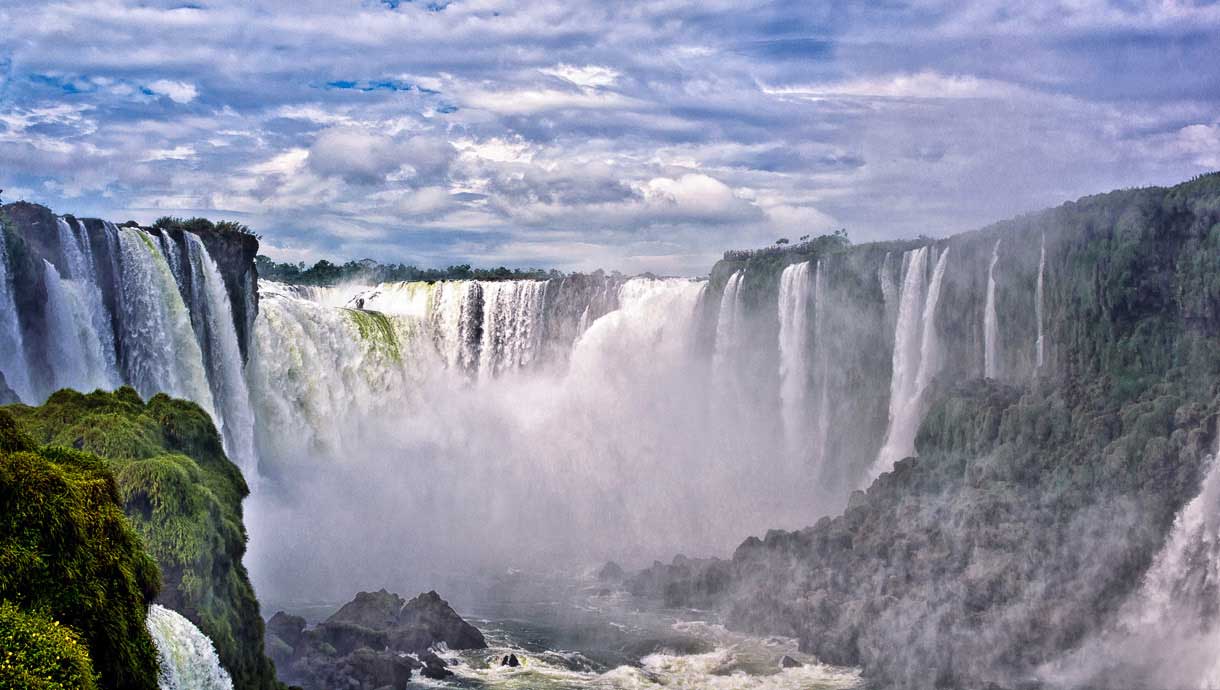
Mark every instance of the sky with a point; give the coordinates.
(580, 134)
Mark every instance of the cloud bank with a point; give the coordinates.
(584, 134)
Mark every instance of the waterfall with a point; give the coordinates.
(726, 323)
(187, 657)
(95, 322)
(12, 345)
(227, 379)
(591, 453)
(916, 357)
(75, 351)
(793, 350)
(1038, 297)
(889, 291)
(160, 352)
(173, 257)
(512, 325)
(821, 349)
(1166, 635)
(990, 322)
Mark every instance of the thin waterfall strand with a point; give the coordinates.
(990, 321)
(793, 346)
(227, 379)
(1039, 295)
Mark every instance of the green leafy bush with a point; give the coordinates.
(38, 653)
(66, 549)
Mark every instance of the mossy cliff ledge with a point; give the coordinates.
(1038, 496)
(75, 580)
(182, 500)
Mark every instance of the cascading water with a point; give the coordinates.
(92, 311)
(889, 291)
(990, 321)
(367, 417)
(160, 353)
(187, 657)
(793, 345)
(1039, 344)
(512, 325)
(821, 350)
(76, 355)
(12, 345)
(916, 357)
(234, 417)
(1167, 634)
(727, 324)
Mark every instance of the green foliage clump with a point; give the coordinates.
(375, 328)
(367, 270)
(38, 653)
(201, 226)
(66, 549)
(183, 497)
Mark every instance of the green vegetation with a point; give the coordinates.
(203, 226)
(327, 273)
(37, 652)
(68, 557)
(1035, 505)
(375, 328)
(183, 497)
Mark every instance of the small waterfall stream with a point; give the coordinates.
(187, 657)
(991, 321)
(226, 374)
(794, 288)
(916, 356)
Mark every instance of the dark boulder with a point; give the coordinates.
(366, 643)
(611, 572)
(286, 627)
(788, 662)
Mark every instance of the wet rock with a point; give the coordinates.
(366, 643)
(611, 572)
(434, 666)
(788, 662)
(511, 661)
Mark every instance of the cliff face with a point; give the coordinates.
(183, 497)
(33, 235)
(1039, 495)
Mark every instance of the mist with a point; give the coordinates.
(393, 456)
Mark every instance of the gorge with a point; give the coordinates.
(998, 437)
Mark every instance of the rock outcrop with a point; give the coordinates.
(366, 643)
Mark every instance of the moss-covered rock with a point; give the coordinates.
(183, 497)
(68, 553)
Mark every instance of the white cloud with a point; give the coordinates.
(920, 85)
(589, 76)
(176, 91)
(529, 101)
(177, 153)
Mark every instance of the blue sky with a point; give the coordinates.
(584, 134)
